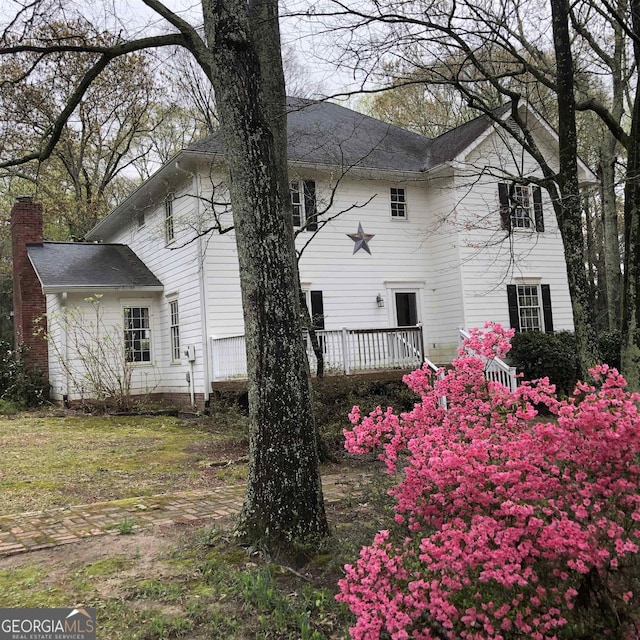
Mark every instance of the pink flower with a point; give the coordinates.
(498, 508)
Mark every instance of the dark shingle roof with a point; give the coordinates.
(328, 134)
(80, 265)
(448, 145)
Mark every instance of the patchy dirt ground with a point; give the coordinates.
(192, 581)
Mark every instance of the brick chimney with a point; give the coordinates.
(29, 303)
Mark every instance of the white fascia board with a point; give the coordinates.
(145, 196)
(99, 289)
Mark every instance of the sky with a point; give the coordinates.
(312, 48)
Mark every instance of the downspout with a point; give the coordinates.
(206, 373)
(65, 348)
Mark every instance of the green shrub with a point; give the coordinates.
(19, 383)
(335, 396)
(609, 344)
(553, 355)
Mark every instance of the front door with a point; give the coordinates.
(406, 309)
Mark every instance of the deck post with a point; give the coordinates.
(345, 351)
(214, 358)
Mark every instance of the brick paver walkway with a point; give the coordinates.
(43, 529)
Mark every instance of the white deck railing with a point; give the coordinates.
(228, 358)
(344, 351)
(495, 370)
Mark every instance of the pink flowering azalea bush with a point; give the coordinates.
(507, 525)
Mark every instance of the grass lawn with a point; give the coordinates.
(191, 582)
(57, 461)
(178, 581)
(174, 581)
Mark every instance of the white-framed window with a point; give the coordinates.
(530, 306)
(521, 207)
(521, 217)
(137, 334)
(529, 309)
(398, 203)
(169, 231)
(174, 330)
(303, 204)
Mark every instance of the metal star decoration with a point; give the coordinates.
(361, 239)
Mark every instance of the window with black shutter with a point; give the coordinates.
(530, 307)
(520, 207)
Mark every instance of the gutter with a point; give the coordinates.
(57, 288)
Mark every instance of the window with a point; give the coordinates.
(303, 204)
(137, 334)
(398, 203)
(530, 307)
(140, 219)
(317, 310)
(174, 330)
(521, 207)
(169, 234)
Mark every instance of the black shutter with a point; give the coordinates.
(537, 208)
(546, 308)
(296, 203)
(310, 210)
(317, 310)
(505, 208)
(512, 299)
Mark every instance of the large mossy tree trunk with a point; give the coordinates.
(284, 503)
(568, 207)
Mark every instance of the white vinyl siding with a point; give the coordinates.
(178, 268)
(491, 256)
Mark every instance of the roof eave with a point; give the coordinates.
(52, 289)
(368, 172)
(188, 159)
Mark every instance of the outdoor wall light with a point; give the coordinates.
(380, 301)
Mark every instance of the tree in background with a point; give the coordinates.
(109, 130)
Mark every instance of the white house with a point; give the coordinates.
(394, 230)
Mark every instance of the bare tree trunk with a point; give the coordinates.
(568, 208)
(284, 501)
(630, 356)
(608, 156)
(612, 258)
(313, 336)
(602, 299)
(592, 253)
